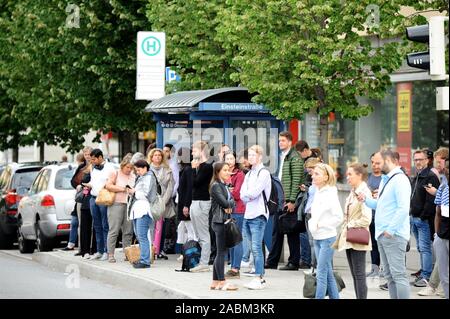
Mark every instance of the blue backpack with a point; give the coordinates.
(191, 253)
(275, 201)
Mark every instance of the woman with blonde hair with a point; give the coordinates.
(326, 216)
(120, 182)
(356, 215)
(161, 169)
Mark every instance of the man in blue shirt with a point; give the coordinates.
(392, 228)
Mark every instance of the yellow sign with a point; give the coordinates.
(403, 111)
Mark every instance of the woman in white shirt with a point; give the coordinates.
(326, 216)
(144, 194)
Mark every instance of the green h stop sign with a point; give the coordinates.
(151, 46)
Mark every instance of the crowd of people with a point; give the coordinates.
(201, 193)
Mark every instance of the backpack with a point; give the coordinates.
(191, 253)
(275, 201)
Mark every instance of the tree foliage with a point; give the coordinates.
(65, 81)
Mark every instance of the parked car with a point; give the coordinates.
(15, 181)
(44, 213)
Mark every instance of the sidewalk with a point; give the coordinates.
(162, 281)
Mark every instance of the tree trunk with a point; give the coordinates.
(15, 154)
(41, 152)
(324, 137)
(125, 140)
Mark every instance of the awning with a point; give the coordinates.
(187, 101)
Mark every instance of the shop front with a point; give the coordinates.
(217, 116)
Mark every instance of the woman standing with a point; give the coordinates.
(144, 193)
(222, 204)
(356, 215)
(159, 165)
(235, 182)
(185, 230)
(326, 216)
(118, 182)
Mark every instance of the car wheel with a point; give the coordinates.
(6, 241)
(43, 243)
(25, 246)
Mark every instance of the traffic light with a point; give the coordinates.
(432, 60)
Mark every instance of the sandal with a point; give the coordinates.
(111, 259)
(227, 287)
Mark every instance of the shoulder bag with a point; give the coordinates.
(105, 197)
(357, 235)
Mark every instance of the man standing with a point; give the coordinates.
(392, 229)
(422, 213)
(201, 203)
(374, 182)
(101, 171)
(290, 172)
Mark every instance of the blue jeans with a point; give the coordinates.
(324, 274)
(141, 228)
(254, 230)
(393, 253)
(73, 236)
(421, 230)
(236, 251)
(101, 227)
(246, 247)
(305, 248)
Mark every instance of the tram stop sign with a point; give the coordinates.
(151, 63)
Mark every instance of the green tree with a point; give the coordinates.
(316, 55)
(68, 78)
(191, 39)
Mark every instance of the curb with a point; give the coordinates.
(148, 287)
(14, 253)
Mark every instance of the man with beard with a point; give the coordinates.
(392, 228)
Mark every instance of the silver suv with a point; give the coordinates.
(44, 213)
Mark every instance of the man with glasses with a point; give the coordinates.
(422, 212)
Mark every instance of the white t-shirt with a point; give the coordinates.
(100, 177)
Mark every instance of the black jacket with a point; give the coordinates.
(220, 201)
(201, 179)
(422, 203)
(184, 191)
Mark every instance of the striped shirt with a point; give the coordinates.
(442, 199)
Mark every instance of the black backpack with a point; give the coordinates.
(275, 201)
(191, 253)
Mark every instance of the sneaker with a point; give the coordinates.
(200, 268)
(308, 271)
(104, 257)
(384, 287)
(140, 265)
(440, 292)
(421, 283)
(232, 274)
(245, 264)
(87, 256)
(256, 284)
(267, 266)
(289, 266)
(250, 273)
(375, 272)
(427, 291)
(96, 256)
(304, 265)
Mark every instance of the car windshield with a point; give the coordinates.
(24, 178)
(63, 177)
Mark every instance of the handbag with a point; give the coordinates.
(310, 285)
(79, 196)
(105, 197)
(358, 235)
(288, 223)
(233, 235)
(133, 253)
(157, 207)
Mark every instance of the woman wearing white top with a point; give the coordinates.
(326, 216)
(144, 193)
(356, 215)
